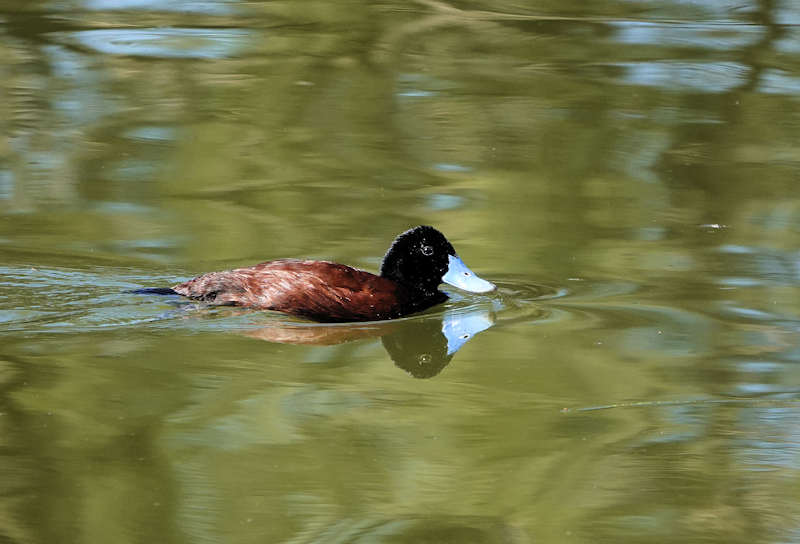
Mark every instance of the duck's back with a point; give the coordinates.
(319, 290)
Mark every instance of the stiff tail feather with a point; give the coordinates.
(154, 291)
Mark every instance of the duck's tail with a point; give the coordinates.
(155, 291)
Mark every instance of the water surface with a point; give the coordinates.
(625, 173)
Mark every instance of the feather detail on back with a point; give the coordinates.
(319, 290)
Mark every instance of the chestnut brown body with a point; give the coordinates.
(318, 290)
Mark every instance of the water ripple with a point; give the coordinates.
(193, 43)
(182, 6)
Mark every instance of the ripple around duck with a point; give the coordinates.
(517, 299)
(36, 300)
(69, 300)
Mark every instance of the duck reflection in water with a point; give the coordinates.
(421, 346)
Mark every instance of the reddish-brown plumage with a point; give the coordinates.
(319, 290)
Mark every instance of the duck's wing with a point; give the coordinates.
(319, 290)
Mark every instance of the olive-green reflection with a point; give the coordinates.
(565, 142)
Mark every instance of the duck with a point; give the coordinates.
(416, 263)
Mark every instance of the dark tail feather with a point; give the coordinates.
(154, 291)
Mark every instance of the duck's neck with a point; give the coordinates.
(409, 275)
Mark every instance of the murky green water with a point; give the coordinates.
(626, 172)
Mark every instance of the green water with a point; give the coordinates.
(626, 173)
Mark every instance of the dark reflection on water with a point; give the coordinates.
(420, 346)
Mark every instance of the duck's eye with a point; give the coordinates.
(426, 250)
